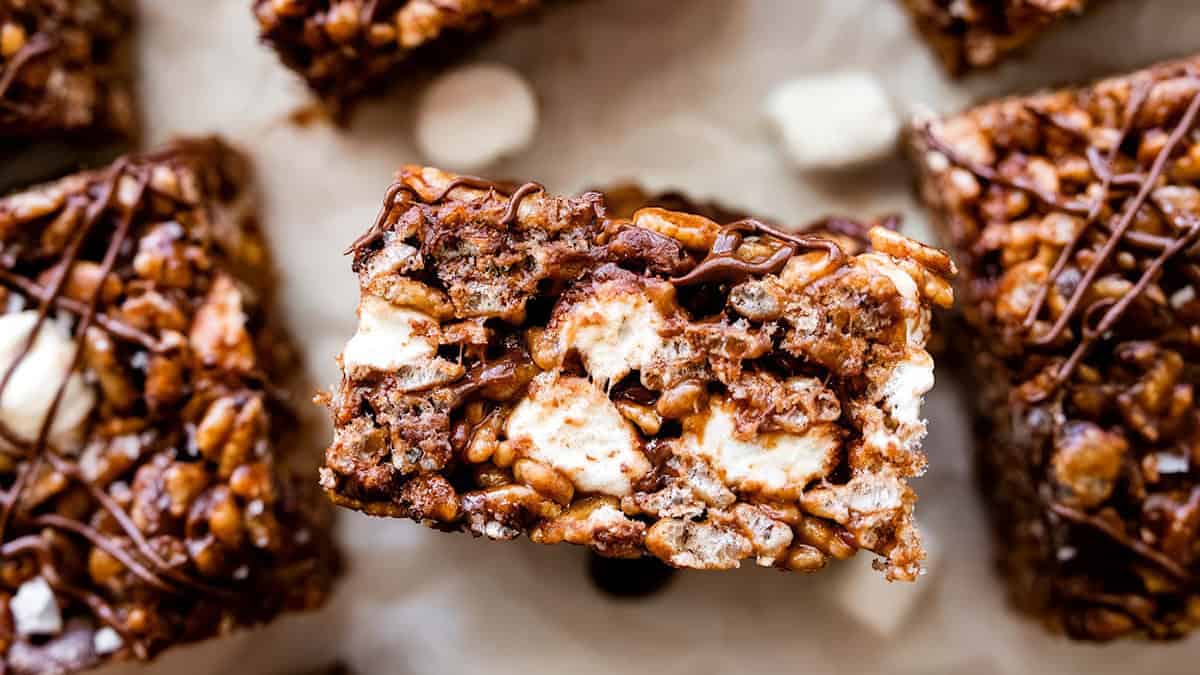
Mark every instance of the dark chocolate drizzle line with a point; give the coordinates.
(1102, 167)
(29, 469)
(1168, 247)
(1136, 100)
(149, 567)
(85, 321)
(723, 264)
(1179, 572)
(993, 176)
(1125, 222)
(40, 549)
(475, 183)
(379, 226)
(376, 230)
(105, 544)
(131, 530)
(116, 327)
(1141, 239)
(1114, 312)
(40, 448)
(514, 202)
(36, 46)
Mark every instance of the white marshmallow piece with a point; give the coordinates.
(570, 424)
(833, 121)
(775, 463)
(475, 115)
(106, 641)
(878, 604)
(34, 609)
(27, 397)
(390, 338)
(1171, 463)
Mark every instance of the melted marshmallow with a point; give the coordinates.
(569, 424)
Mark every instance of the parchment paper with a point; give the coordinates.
(667, 92)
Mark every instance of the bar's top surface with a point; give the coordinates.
(1075, 211)
(656, 384)
(976, 34)
(65, 68)
(147, 438)
(349, 48)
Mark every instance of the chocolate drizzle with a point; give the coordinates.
(34, 47)
(991, 175)
(377, 229)
(116, 327)
(1101, 316)
(41, 549)
(1129, 545)
(68, 72)
(39, 451)
(514, 202)
(1177, 571)
(1117, 309)
(503, 371)
(143, 561)
(723, 263)
(1123, 224)
(1136, 100)
(70, 255)
(508, 283)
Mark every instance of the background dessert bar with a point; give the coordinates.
(65, 83)
(154, 487)
(970, 35)
(350, 48)
(1076, 215)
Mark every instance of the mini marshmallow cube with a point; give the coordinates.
(476, 115)
(26, 399)
(106, 641)
(833, 121)
(34, 609)
(880, 605)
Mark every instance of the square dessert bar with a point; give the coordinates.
(65, 69)
(150, 492)
(345, 49)
(658, 384)
(970, 35)
(1076, 214)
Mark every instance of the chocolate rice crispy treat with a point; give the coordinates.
(976, 34)
(65, 70)
(657, 385)
(345, 49)
(149, 450)
(1076, 215)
